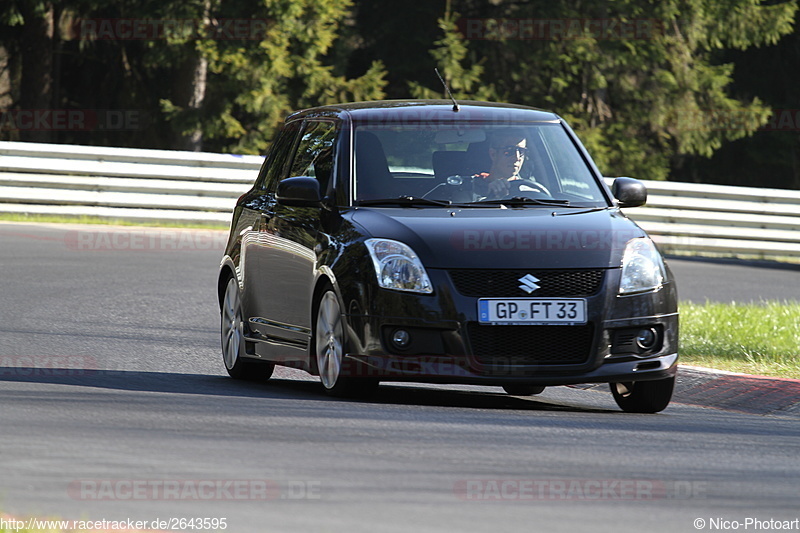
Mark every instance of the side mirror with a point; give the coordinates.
(299, 191)
(629, 192)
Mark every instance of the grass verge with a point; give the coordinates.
(759, 338)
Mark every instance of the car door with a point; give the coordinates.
(287, 242)
(258, 206)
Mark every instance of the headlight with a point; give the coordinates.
(642, 267)
(398, 267)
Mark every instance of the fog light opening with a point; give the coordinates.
(401, 339)
(647, 338)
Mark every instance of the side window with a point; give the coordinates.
(315, 151)
(272, 171)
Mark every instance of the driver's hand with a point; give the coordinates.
(498, 188)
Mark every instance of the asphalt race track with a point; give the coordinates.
(721, 280)
(114, 405)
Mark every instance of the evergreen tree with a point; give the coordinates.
(449, 55)
(254, 84)
(640, 81)
(27, 34)
(211, 75)
(771, 157)
(399, 37)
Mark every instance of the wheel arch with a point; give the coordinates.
(324, 278)
(226, 271)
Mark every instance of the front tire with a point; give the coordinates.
(330, 348)
(643, 396)
(233, 343)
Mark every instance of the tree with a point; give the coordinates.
(400, 38)
(449, 55)
(205, 74)
(641, 82)
(254, 83)
(771, 157)
(185, 107)
(34, 31)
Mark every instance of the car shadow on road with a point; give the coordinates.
(473, 399)
(278, 388)
(137, 381)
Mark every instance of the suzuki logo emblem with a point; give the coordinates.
(528, 283)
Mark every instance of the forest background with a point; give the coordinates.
(686, 90)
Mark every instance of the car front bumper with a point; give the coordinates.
(452, 370)
(448, 345)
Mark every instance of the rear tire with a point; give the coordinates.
(643, 396)
(523, 390)
(233, 343)
(329, 350)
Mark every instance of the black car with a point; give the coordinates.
(430, 242)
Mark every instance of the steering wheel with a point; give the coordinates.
(526, 185)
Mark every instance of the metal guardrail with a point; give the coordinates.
(721, 220)
(122, 183)
(163, 185)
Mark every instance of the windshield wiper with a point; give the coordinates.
(523, 200)
(586, 210)
(405, 201)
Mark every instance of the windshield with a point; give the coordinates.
(474, 165)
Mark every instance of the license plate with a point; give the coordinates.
(520, 311)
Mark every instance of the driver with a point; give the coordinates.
(507, 151)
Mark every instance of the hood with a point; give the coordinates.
(529, 237)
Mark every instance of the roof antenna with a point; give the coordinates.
(446, 88)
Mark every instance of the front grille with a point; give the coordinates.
(505, 283)
(501, 346)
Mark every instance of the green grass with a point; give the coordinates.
(761, 338)
(59, 219)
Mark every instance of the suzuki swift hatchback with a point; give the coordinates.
(426, 242)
